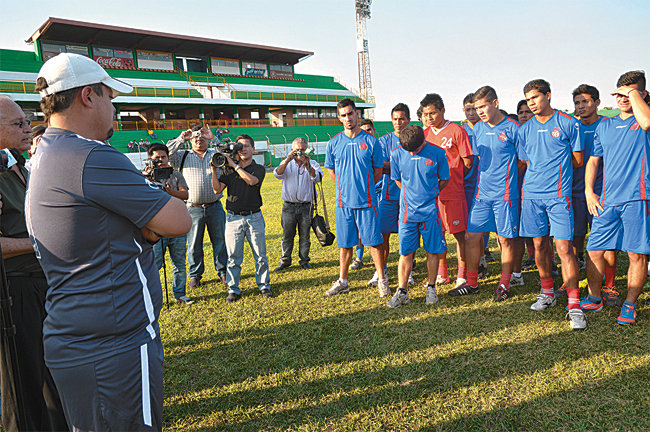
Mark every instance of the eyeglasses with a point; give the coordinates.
(20, 123)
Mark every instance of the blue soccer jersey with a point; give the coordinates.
(625, 149)
(419, 175)
(497, 150)
(587, 132)
(470, 177)
(548, 147)
(389, 189)
(353, 161)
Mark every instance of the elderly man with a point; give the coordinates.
(92, 218)
(203, 203)
(298, 173)
(27, 288)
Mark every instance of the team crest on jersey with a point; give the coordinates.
(502, 136)
(363, 145)
(635, 126)
(428, 162)
(556, 133)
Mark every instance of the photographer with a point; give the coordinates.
(203, 203)
(27, 288)
(298, 173)
(174, 184)
(244, 219)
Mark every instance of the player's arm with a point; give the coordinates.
(377, 173)
(442, 184)
(332, 174)
(398, 183)
(578, 158)
(386, 169)
(640, 109)
(467, 163)
(593, 200)
(172, 220)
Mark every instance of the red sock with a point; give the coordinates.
(574, 298)
(547, 286)
(442, 270)
(505, 280)
(462, 272)
(472, 278)
(610, 274)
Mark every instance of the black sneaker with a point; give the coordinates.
(232, 297)
(529, 264)
(266, 292)
(463, 289)
(500, 294)
(483, 269)
(488, 255)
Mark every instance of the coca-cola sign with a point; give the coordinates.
(114, 62)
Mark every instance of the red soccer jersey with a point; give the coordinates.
(455, 142)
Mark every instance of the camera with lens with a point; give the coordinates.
(196, 133)
(225, 148)
(298, 153)
(156, 173)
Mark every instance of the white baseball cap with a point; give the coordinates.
(67, 71)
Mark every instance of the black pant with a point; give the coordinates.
(39, 395)
(296, 214)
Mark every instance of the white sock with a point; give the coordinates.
(517, 275)
(343, 281)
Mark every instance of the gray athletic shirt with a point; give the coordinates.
(85, 206)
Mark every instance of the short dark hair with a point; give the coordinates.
(411, 137)
(514, 117)
(586, 89)
(419, 113)
(61, 101)
(468, 99)
(632, 77)
(345, 103)
(540, 85)
(401, 107)
(157, 147)
(38, 130)
(485, 92)
(364, 122)
(246, 137)
(520, 103)
(432, 99)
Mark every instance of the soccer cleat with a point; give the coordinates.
(561, 292)
(460, 281)
(337, 288)
(441, 280)
(488, 256)
(383, 288)
(483, 269)
(411, 281)
(500, 294)
(356, 264)
(529, 264)
(517, 281)
(590, 303)
(184, 300)
(577, 319)
(582, 264)
(398, 300)
(464, 289)
(431, 296)
(610, 296)
(374, 280)
(543, 302)
(628, 314)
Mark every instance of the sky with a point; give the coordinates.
(416, 47)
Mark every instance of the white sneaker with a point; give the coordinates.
(432, 296)
(374, 280)
(460, 281)
(383, 288)
(577, 318)
(517, 281)
(411, 280)
(184, 299)
(398, 300)
(543, 301)
(337, 288)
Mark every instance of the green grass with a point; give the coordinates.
(304, 362)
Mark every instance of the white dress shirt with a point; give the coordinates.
(297, 183)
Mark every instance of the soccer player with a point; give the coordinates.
(496, 205)
(452, 205)
(390, 193)
(551, 146)
(421, 171)
(523, 112)
(622, 211)
(355, 162)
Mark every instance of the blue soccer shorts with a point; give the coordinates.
(497, 216)
(353, 225)
(581, 217)
(537, 214)
(433, 238)
(624, 227)
(388, 215)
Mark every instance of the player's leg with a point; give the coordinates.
(347, 235)
(560, 214)
(433, 242)
(409, 241)
(368, 225)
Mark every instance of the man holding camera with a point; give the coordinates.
(298, 173)
(92, 218)
(244, 218)
(174, 184)
(203, 203)
(27, 288)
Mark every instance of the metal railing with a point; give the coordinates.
(26, 87)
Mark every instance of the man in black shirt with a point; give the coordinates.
(244, 218)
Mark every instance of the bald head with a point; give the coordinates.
(14, 130)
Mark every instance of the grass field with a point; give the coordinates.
(304, 362)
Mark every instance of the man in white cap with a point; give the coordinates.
(92, 218)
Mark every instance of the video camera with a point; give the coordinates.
(225, 148)
(157, 173)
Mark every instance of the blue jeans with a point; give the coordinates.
(250, 228)
(213, 217)
(176, 248)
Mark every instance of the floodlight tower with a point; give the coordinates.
(365, 83)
